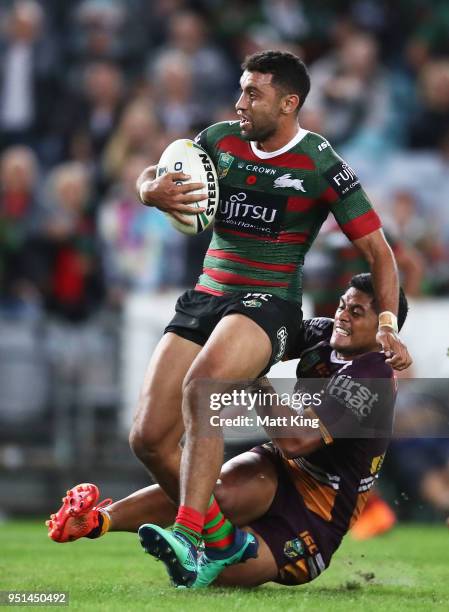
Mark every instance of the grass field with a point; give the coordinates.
(407, 569)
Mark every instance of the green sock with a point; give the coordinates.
(218, 531)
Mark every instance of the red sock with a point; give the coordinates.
(189, 522)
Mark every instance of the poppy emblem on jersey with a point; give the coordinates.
(251, 179)
(224, 163)
(286, 181)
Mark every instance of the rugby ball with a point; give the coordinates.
(186, 156)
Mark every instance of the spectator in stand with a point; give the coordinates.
(288, 17)
(178, 111)
(20, 211)
(350, 90)
(260, 37)
(424, 175)
(157, 20)
(63, 263)
(233, 20)
(138, 133)
(62, 260)
(28, 78)
(140, 249)
(431, 119)
(336, 260)
(88, 119)
(112, 31)
(211, 73)
(428, 38)
(421, 468)
(406, 220)
(419, 457)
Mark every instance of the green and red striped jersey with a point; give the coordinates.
(271, 207)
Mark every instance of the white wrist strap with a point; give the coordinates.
(388, 319)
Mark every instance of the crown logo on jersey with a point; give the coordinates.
(224, 163)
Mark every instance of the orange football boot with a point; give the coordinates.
(376, 518)
(78, 515)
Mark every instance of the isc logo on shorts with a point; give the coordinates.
(258, 296)
(252, 300)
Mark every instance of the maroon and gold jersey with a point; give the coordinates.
(356, 420)
(272, 205)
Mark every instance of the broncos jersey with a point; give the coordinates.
(355, 419)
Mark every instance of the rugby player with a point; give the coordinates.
(298, 495)
(278, 182)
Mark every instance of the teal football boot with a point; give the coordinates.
(175, 551)
(212, 563)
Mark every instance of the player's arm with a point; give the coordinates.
(384, 272)
(292, 439)
(169, 193)
(307, 440)
(356, 217)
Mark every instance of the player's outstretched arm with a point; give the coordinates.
(384, 272)
(282, 424)
(169, 193)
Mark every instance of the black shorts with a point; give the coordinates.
(301, 542)
(198, 313)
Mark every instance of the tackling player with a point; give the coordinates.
(297, 496)
(278, 182)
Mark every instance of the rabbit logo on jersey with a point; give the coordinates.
(251, 212)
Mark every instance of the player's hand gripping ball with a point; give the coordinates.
(186, 156)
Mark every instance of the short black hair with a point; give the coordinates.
(289, 72)
(364, 282)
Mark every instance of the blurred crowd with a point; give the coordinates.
(92, 91)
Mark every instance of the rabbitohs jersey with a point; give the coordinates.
(272, 205)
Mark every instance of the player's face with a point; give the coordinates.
(259, 106)
(355, 324)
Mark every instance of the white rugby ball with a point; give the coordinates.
(186, 156)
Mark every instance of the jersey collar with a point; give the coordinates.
(335, 359)
(292, 143)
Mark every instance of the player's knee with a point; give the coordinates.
(192, 382)
(194, 390)
(136, 442)
(208, 370)
(146, 444)
(198, 390)
(226, 495)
